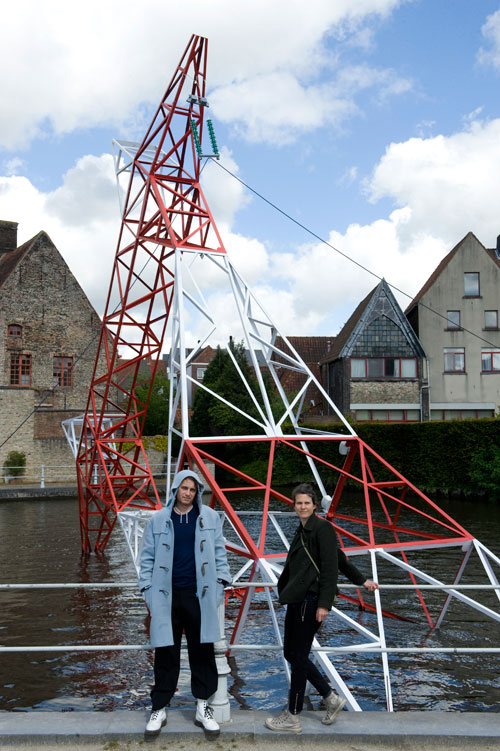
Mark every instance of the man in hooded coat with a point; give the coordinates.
(183, 573)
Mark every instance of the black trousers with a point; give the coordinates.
(185, 616)
(300, 628)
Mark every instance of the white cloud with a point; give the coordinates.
(491, 32)
(278, 107)
(73, 71)
(88, 193)
(14, 166)
(224, 194)
(328, 285)
(451, 183)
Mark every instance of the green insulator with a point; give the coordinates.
(212, 136)
(196, 137)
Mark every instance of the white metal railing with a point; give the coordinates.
(220, 700)
(41, 475)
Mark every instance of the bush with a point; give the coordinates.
(456, 456)
(15, 464)
(485, 470)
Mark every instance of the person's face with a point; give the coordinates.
(304, 506)
(186, 494)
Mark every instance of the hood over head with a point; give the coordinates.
(179, 477)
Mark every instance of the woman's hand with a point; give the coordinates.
(370, 585)
(321, 614)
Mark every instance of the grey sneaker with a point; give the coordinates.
(333, 703)
(284, 722)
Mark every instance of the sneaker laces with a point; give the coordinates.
(209, 712)
(155, 714)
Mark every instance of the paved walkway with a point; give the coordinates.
(352, 730)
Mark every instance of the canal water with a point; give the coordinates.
(40, 543)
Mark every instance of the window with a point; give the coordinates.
(491, 319)
(384, 367)
(200, 373)
(63, 371)
(461, 414)
(490, 360)
(453, 319)
(358, 368)
(20, 370)
(14, 330)
(387, 415)
(471, 284)
(454, 359)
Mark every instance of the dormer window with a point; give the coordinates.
(14, 329)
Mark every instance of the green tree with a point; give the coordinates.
(15, 464)
(157, 415)
(213, 417)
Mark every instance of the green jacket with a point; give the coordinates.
(299, 575)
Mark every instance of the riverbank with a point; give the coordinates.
(362, 731)
(35, 492)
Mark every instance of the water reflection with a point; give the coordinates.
(41, 543)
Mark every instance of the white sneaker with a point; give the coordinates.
(155, 723)
(205, 719)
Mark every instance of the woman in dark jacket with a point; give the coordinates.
(308, 585)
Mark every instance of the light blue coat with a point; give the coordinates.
(155, 577)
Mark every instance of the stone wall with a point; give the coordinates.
(43, 297)
(385, 392)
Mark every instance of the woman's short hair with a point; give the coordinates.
(305, 489)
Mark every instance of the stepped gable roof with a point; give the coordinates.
(379, 302)
(312, 349)
(9, 261)
(442, 265)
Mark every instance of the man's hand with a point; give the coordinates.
(370, 585)
(321, 614)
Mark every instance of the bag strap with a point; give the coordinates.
(308, 553)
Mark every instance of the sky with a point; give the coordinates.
(375, 124)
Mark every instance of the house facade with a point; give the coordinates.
(49, 333)
(376, 368)
(455, 316)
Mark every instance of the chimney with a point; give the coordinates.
(497, 249)
(8, 237)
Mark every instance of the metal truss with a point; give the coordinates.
(163, 211)
(398, 521)
(171, 268)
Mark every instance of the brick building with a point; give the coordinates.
(375, 370)
(48, 340)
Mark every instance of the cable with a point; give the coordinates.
(344, 255)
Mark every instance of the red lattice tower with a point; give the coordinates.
(164, 210)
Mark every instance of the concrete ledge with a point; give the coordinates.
(447, 729)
